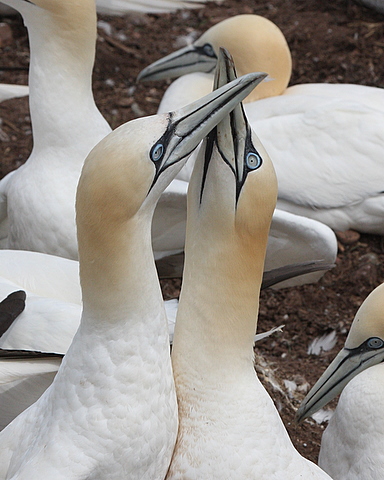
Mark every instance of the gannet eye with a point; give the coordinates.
(253, 160)
(375, 342)
(157, 152)
(208, 50)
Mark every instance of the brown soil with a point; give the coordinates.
(335, 41)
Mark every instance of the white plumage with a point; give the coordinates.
(48, 324)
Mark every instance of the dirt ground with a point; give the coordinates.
(336, 41)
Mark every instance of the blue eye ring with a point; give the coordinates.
(253, 160)
(375, 343)
(157, 152)
(208, 50)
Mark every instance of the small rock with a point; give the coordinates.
(349, 237)
(125, 102)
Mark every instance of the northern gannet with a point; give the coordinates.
(352, 444)
(37, 201)
(328, 159)
(111, 410)
(228, 424)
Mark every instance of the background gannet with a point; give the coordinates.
(111, 410)
(37, 200)
(328, 159)
(228, 425)
(351, 446)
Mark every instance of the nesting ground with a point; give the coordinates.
(336, 41)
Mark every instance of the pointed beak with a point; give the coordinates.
(189, 59)
(232, 135)
(189, 125)
(347, 364)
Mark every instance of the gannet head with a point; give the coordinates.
(255, 43)
(130, 167)
(232, 172)
(363, 348)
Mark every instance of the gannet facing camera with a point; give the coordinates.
(229, 427)
(111, 410)
(351, 446)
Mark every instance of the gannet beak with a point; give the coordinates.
(189, 125)
(233, 136)
(189, 59)
(347, 364)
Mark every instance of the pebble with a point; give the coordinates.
(348, 237)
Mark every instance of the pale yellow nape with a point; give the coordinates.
(256, 45)
(369, 319)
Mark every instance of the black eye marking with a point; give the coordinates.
(374, 343)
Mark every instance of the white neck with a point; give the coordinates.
(217, 315)
(62, 56)
(117, 271)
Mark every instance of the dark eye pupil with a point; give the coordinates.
(375, 342)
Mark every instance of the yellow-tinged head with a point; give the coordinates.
(255, 43)
(234, 183)
(369, 320)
